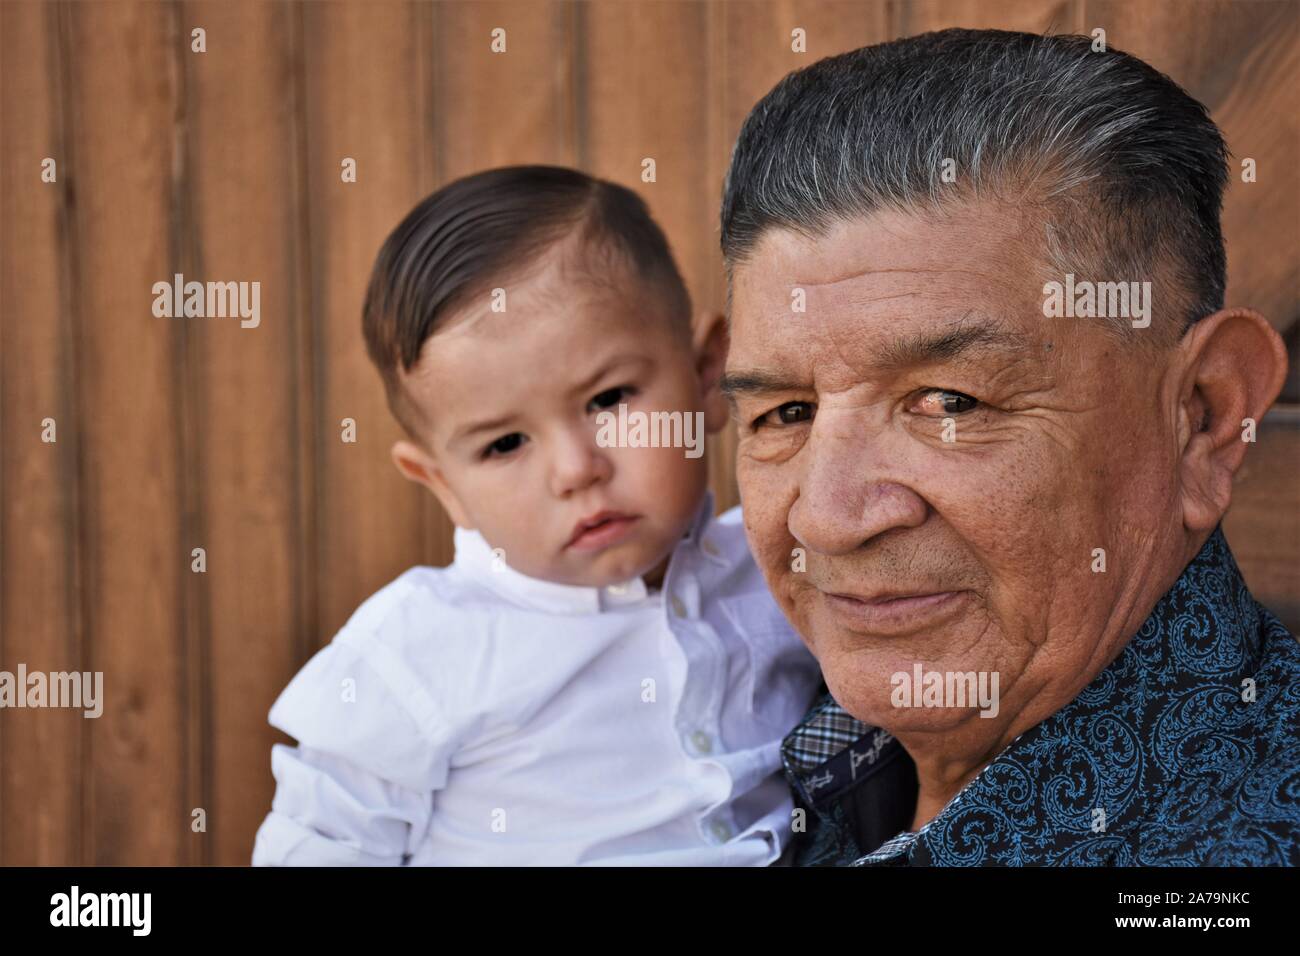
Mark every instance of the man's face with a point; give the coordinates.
(970, 554)
(513, 400)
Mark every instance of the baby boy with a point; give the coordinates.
(600, 676)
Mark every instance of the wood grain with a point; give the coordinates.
(40, 609)
(246, 486)
(369, 520)
(130, 418)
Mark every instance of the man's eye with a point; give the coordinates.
(610, 397)
(504, 445)
(791, 413)
(939, 401)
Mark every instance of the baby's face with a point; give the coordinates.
(512, 400)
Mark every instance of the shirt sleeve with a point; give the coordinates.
(373, 748)
(329, 812)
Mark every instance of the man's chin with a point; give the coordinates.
(901, 690)
(876, 711)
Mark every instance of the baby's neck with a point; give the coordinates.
(654, 578)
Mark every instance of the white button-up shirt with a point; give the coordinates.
(471, 715)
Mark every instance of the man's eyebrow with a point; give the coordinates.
(919, 348)
(757, 382)
(922, 348)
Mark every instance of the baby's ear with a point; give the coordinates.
(419, 466)
(711, 340)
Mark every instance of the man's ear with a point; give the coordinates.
(710, 343)
(1235, 363)
(419, 466)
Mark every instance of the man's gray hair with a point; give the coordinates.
(1128, 168)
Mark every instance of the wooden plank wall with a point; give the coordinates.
(175, 435)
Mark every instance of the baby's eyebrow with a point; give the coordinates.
(470, 429)
(617, 361)
(473, 428)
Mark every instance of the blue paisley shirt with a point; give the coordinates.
(1185, 751)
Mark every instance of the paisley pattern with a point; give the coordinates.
(1185, 751)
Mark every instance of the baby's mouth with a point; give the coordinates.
(601, 529)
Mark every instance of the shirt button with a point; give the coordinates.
(702, 742)
(721, 832)
(617, 589)
(678, 607)
(709, 548)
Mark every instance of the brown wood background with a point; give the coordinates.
(176, 434)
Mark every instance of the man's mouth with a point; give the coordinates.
(893, 612)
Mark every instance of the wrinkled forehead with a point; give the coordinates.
(978, 249)
(871, 282)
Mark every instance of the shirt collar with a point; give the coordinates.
(1202, 639)
(490, 567)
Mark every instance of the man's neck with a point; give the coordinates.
(947, 760)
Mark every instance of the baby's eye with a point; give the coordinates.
(940, 401)
(611, 397)
(504, 445)
(791, 413)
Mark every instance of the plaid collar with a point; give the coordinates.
(824, 731)
(831, 750)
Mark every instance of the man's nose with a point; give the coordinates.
(847, 494)
(577, 462)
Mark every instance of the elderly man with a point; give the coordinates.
(984, 484)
